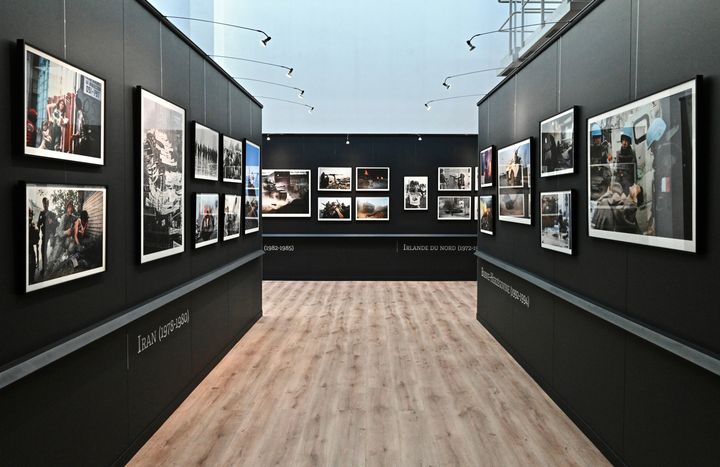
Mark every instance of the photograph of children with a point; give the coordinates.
(454, 178)
(556, 221)
(416, 193)
(641, 174)
(231, 216)
(286, 193)
(368, 208)
(207, 206)
(64, 109)
(372, 178)
(232, 160)
(486, 167)
(487, 215)
(65, 233)
(206, 150)
(514, 165)
(252, 182)
(162, 145)
(454, 208)
(334, 209)
(335, 178)
(557, 144)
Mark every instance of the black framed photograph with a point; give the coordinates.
(641, 170)
(454, 208)
(162, 179)
(486, 167)
(64, 109)
(334, 209)
(372, 208)
(207, 206)
(556, 221)
(416, 193)
(65, 233)
(454, 178)
(232, 216)
(232, 160)
(514, 182)
(335, 178)
(251, 217)
(486, 211)
(372, 178)
(206, 147)
(557, 144)
(286, 193)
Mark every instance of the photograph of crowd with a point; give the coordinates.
(162, 146)
(286, 193)
(232, 160)
(252, 180)
(486, 164)
(454, 208)
(207, 206)
(513, 174)
(372, 178)
(557, 144)
(641, 174)
(65, 233)
(372, 208)
(232, 214)
(64, 109)
(556, 221)
(206, 150)
(487, 215)
(335, 178)
(416, 193)
(334, 209)
(454, 178)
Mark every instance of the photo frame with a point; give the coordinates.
(232, 165)
(415, 188)
(372, 208)
(334, 178)
(334, 209)
(372, 178)
(556, 224)
(286, 193)
(252, 201)
(487, 157)
(514, 179)
(454, 208)
(455, 178)
(232, 216)
(557, 144)
(486, 211)
(206, 153)
(207, 207)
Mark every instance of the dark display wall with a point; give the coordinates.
(643, 405)
(411, 245)
(97, 404)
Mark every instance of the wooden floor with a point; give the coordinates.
(368, 373)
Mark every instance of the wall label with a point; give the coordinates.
(279, 248)
(507, 288)
(162, 332)
(454, 248)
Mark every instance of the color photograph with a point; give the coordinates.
(335, 178)
(512, 205)
(486, 167)
(454, 208)
(486, 211)
(251, 218)
(286, 193)
(232, 160)
(556, 221)
(368, 208)
(372, 178)
(206, 150)
(514, 175)
(207, 206)
(416, 193)
(335, 209)
(232, 214)
(454, 178)
(557, 144)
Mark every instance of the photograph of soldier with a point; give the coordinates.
(231, 216)
(556, 221)
(486, 170)
(487, 215)
(335, 178)
(454, 178)
(372, 208)
(207, 206)
(334, 209)
(65, 233)
(372, 178)
(557, 139)
(416, 193)
(286, 193)
(232, 160)
(252, 181)
(206, 150)
(454, 208)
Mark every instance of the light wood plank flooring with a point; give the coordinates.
(368, 373)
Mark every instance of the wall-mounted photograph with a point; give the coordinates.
(641, 170)
(486, 210)
(416, 193)
(454, 208)
(251, 218)
(207, 206)
(372, 178)
(454, 178)
(232, 215)
(557, 144)
(335, 178)
(514, 172)
(372, 208)
(206, 147)
(512, 205)
(64, 109)
(232, 160)
(65, 233)
(286, 193)
(486, 167)
(335, 209)
(556, 221)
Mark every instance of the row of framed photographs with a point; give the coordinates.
(378, 178)
(374, 208)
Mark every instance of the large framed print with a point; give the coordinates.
(206, 147)
(556, 221)
(232, 160)
(454, 178)
(232, 216)
(162, 180)
(486, 210)
(251, 217)
(334, 209)
(207, 206)
(372, 208)
(641, 170)
(65, 233)
(416, 193)
(334, 178)
(514, 182)
(286, 193)
(454, 208)
(557, 144)
(486, 167)
(372, 178)
(63, 109)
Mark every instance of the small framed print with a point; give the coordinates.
(372, 178)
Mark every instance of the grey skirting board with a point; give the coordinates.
(391, 235)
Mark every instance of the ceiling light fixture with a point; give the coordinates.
(310, 108)
(267, 138)
(263, 42)
(300, 95)
(289, 73)
(347, 139)
(447, 85)
(428, 106)
(290, 69)
(419, 137)
(472, 47)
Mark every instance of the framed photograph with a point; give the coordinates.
(372, 178)
(454, 208)
(286, 193)
(207, 206)
(205, 151)
(232, 160)
(477, 206)
(416, 193)
(251, 217)
(372, 208)
(64, 234)
(557, 144)
(486, 167)
(334, 209)
(232, 215)
(162, 180)
(486, 210)
(641, 170)
(454, 178)
(334, 178)
(63, 109)
(514, 182)
(556, 221)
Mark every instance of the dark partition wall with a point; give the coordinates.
(116, 351)
(634, 389)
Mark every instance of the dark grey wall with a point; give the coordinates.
(643, 405)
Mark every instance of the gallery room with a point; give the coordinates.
(311, 233)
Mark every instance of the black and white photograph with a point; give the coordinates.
(454, 208)
(514, 186)
(252, 185)
(557, 144)
(372, 208)
(207, 206)
(486, 210)
(65, 233)
(641, 174)
(286, 193)
(556, 221)
(205, 150)
(486, 167)
(335, 178)
(232, 215)
(372, 178)
(64, 109)
(232, 160)
(454, 178)
(416, 193)
(162, 185)
(334, 209)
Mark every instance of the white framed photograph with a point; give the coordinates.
(334, 178)
(454, 178)
(372, 208)
(556, 221)
(557, 144)
(486, 167)
(207, 206)
(372, 178)
(334, 209)
(232, 216)
(251, 217)
(416, 193)
(286, 193)
(454, 208)
(486, 210)
(514, 174)
(232, 160)
(205, 151)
